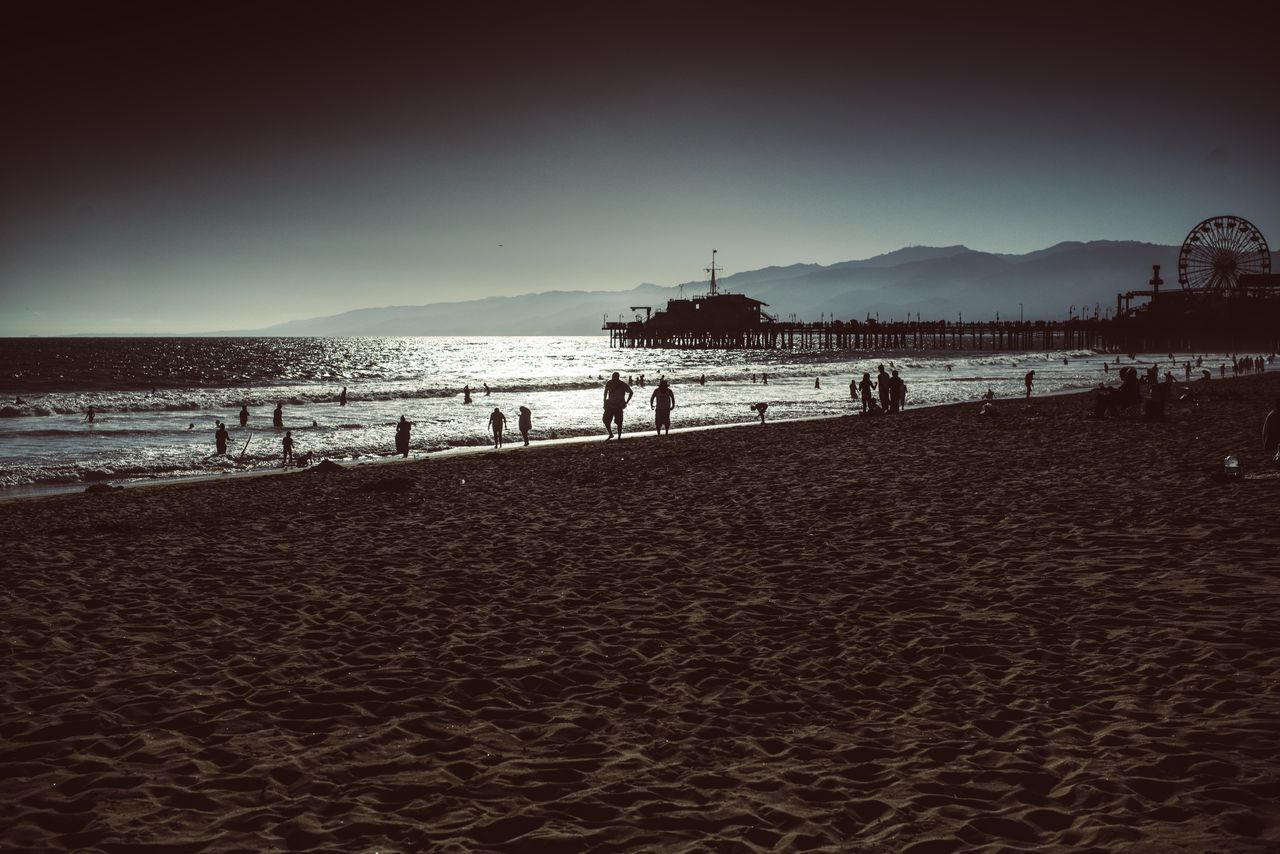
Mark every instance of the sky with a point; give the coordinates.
(199, 167)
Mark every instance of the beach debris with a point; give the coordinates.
(327, 465)
(1231, 467)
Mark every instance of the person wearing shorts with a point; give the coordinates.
(662, 401)
(617, 395)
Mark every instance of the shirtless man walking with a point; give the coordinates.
(617, 395)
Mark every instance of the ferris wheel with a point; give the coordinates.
(1218, 251)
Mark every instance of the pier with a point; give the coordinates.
(872, 335)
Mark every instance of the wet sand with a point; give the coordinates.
(931, 632)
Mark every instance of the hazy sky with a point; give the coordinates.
(205, 166)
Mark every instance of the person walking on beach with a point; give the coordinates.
(1028, 379)
(1271, 435)
(244, 415)
(662, 401)
(288, 448)
(865, 388)
(402, 436)
(496, 422)
(342, 397)
(220, 438)
(882, 384)
(526, 424)
(466, 394)
(617, 395)
(277, 417)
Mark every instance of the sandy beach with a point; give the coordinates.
(931, 632)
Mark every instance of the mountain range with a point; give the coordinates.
(938, 282)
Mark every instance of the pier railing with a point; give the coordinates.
(918, 335)
(1258, 331)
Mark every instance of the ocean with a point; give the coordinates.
(157, 400)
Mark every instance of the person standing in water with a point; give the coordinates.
(288, 448)
(220, 438)
(487, 392)
(817, 382)
(617, 395)
(526, 424)
(244, 415)
(277, 417)
(662, 401)
(1029, 379)
(342, 397)
(466, 394)
(402, 437)
(864, 388)
(883, 387)
(89, 416)
(496, 422)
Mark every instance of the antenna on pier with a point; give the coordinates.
(712, 270)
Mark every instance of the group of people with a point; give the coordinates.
(891, 389)
(617, 394)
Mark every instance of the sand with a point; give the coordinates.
(927, 633)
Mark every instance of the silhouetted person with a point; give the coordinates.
(764, 379)
(487, 392)
(882, 384)
(288, 448)
(897, 393)
(990, 395)
(1106, 367)
(342, 397)
(1186, 366)
(864, 388)
(1271, 434)
(402, 436)
(89, 416)
(753, 379)
(617, 395)
(817, 382)
(702, 380)
(1029, 379)
(466, 394)
(220, 438)
(662, 401)
(526, 423)
(244, 415)
(496, 422)
(277, 417)
(760, 409)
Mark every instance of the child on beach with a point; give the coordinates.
(288, 448)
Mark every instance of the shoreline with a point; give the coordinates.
(36, 491)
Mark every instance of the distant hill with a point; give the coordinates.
(936, 282)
